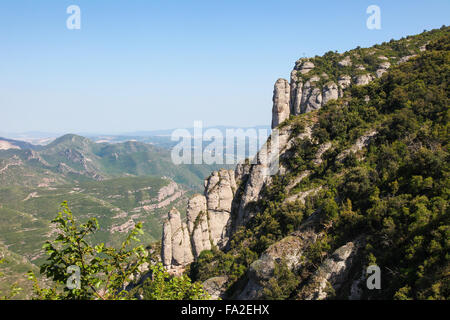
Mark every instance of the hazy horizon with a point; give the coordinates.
(144, 66)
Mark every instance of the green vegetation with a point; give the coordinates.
(75, 159)
(104, 272)
(25, 214)
(109, 182)
(394, 192)
(369, 58)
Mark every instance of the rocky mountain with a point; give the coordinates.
(208, 222)
(363, 180)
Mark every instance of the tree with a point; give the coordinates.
(80, 270)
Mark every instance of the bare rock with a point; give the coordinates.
(332, 274)
(406, 58)
(219, 192)
(311, 97)
(362, 142)
(296, 93)
(343, 83)
(197, 222)
(176, 249)
(330, 92)
(306, 67)
(383, 67)
(177, 237)
(281, 102)
(363, 79)
(290, 249)
(187, 246)
(166, 244)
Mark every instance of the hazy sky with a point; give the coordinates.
(155, 64)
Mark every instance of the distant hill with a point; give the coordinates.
(363, 186)
(72, 158)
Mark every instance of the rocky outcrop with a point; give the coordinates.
(281, 98)
(289, 250)
(207, 222)
(167, 191)
(330, 92)
(311, 96)
(382, 68)
(406, 58)
(360, 143)
(197, 221)
(332, 273)
(256, 174)
(219, 191)
(346, 62)
(363, 79)
(305, 94)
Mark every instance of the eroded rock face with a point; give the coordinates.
(406, 58)
(296, 93)
(259, 174)
(207, 222)
(333, 272)
(344, 82)
(176, 248)
(197, 222)
(360, 143)
(363, 79)
(311, 97)
(346, 62)
(306, 67)
(383, 67)
(166, 252)
(281, 102)
(304, 96)
(330, 92)
(290, 250)
(219, 191)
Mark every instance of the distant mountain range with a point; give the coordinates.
(156, 137)
(72, 158)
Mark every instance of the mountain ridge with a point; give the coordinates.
(349, 150)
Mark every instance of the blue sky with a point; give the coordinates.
(158, 64)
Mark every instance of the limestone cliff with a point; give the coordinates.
(232, 200)
(207, 222)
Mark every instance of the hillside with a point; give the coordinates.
(73, 158)
(364, 180)
(119, 184)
